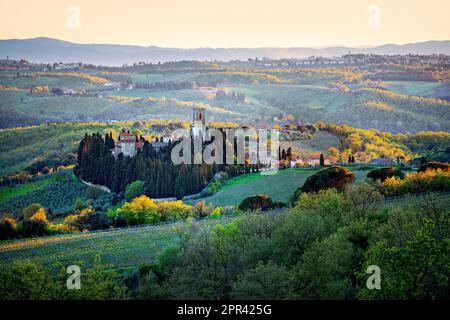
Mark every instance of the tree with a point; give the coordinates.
(434, 166)
(265, 281)
(322, 160)
(7, 228)
(363, 199)
(333, 152)
(419, 270)
(332, 177)
(258, 202)
(142, 210)
(384, 173)
(30, 210)
(93, 193)
(29, 280)
(79, 205)
(37, 225)
(325, 271)
(134, 189)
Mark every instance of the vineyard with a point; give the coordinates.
(118, 247)
(57, 192)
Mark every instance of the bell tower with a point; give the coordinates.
(198, 126)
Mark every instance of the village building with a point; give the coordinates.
(313, 161)
(383, 161)
(127, 144)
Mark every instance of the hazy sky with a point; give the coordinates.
(228, 23)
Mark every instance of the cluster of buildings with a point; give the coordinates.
(312, 161)
(23, 65)
(129, 143)
(14, 65)
(356, 59)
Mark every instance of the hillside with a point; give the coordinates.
(56, 144)
(49, 50)
(169, 91)
(279, 186)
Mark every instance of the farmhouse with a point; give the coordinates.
(127, 144)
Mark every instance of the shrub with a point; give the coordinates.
(92, 221)
(30, 210)
(37, 225)
(215, 213)
(427, 181)
(141, 210)
(213, 187)
(201, 209)
(258, 202)
(173, 210)
(134, 189)
(7, 228)
(384, 173)
(61, 228)
(434, 166)
(93, 193)
(79, 205)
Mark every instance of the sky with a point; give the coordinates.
(228, 23)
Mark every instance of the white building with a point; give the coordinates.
(127, 144)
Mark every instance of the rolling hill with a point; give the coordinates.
(49, 50)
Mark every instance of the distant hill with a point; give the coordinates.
(52, 50)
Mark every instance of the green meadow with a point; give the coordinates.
(279, 186)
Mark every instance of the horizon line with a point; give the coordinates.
(224, 47)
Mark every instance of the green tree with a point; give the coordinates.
(264, 282)
(28, 280)
(30, 210)
(134, 189)
(79, 205)
(325, 271)
(417, 270)
(322, 160)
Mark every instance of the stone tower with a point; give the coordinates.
(198, 126)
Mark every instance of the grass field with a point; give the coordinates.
(279, 186)
(119, 248)
(161, 77)
(416, 88)
(182, 94)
